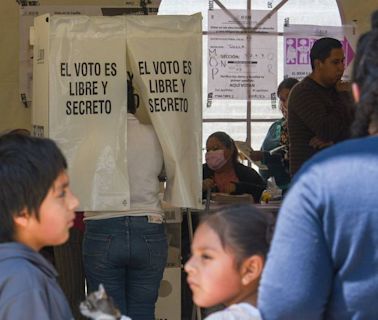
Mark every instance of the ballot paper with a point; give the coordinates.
(277, 149)
(245, 149)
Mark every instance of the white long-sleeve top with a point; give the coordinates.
(144, 164)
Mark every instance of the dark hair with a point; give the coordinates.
(287, 83)
(131, 106)
(365, 75)
(228, 142)
(322, 48)
(18, 130)
(28, 168)
(243, 229)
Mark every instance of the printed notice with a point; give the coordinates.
(87, 87)
(242, 65)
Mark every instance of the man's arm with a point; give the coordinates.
(297, 278)
(317, 143)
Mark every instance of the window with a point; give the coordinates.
(233, 116)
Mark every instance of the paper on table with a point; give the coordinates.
(245, 149)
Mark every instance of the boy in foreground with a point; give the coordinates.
(36, 210)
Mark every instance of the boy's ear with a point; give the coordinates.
(251, 269)
(22, 218)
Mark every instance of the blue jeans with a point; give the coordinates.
(128, 256)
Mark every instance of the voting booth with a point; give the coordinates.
(168, 305)
(80, 72)
(81, 67)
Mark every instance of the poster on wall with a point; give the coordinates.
(164, 57)
(86, 107)
(242, 59)
(298, 41)
(29, 12)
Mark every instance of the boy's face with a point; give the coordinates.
(56, 215)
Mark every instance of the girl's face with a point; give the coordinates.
(212, 272)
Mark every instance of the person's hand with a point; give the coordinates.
(230, 188)
(317, 143)
(256, 155)
(208, 184)
(344, 86)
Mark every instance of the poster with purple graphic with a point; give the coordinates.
(298, 40)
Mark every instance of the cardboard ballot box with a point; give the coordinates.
(168, 306)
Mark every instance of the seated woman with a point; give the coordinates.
(277, 136)
(223, 172)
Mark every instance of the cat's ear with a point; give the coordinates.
(101, 292)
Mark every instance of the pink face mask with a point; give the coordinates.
(215, 159)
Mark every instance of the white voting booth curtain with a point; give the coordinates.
(85, 59)
(87, 102)
(165, 58)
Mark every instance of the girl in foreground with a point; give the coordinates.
(228, 255)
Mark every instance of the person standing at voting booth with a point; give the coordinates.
(323, 262)
(223, 172)
(320, 109)
(127, 251)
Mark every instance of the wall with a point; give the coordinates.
(360, 12)
(12, 113)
